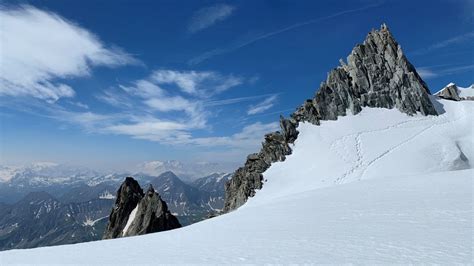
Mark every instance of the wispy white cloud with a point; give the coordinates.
(173, 103)
(170, 105)
(38, 48)
(235, 100)
(143, 88)
(445, 43)
(262, 106)
(430, 72)
(79, 104)
(426, 73)
(182, 128)
(187, 81)
(115, 98)
(250, 136)
(154, 130)
(172, 133)
(219, 51)
(197, 83)
(208, 16)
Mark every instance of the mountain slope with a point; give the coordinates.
(214, 185)
(181, 197)
(377, 74)
(413, 203)
(41, 220)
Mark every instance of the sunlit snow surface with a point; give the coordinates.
(379, 187)
(466, 92)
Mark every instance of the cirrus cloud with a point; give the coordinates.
(208, 16)
(38, 48)
(263, 105)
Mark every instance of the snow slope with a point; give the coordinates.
(466, 92)
(379, 187)
(376, 142)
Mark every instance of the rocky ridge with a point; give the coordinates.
(138, 213)
(377, 74)
(453, 92)
(152, 215)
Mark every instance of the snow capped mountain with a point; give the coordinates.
(186, 171)
(372, 170)
(45, 174)
(191, 202)
(212, 183)
(39, 219)
(377, 187)
(7, 173)
(56, 179)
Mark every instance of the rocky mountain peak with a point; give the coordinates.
(137, 213)
(150, 191)
(128, 196)
(454, 93)
(152, 215)
(376, 74)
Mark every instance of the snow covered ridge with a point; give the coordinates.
(379, 187)
(376, 142)
(455, 93)
(377, 74)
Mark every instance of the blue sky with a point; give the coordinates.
(105, 83)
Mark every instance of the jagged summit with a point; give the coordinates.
(138, 213)
(376, 74)
(128, 196)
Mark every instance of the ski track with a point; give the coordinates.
(359, 162)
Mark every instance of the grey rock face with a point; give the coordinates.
(450, 92)
(128, 196)
(152, 214)
(377, 74)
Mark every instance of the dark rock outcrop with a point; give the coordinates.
(452, 92)
(128, 196)
(152, 215)
(377, 74)
(148, 212)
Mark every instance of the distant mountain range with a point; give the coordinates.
(186, 171)
(56, 179)
(30, 216)
(191, 202)
(41, 220)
